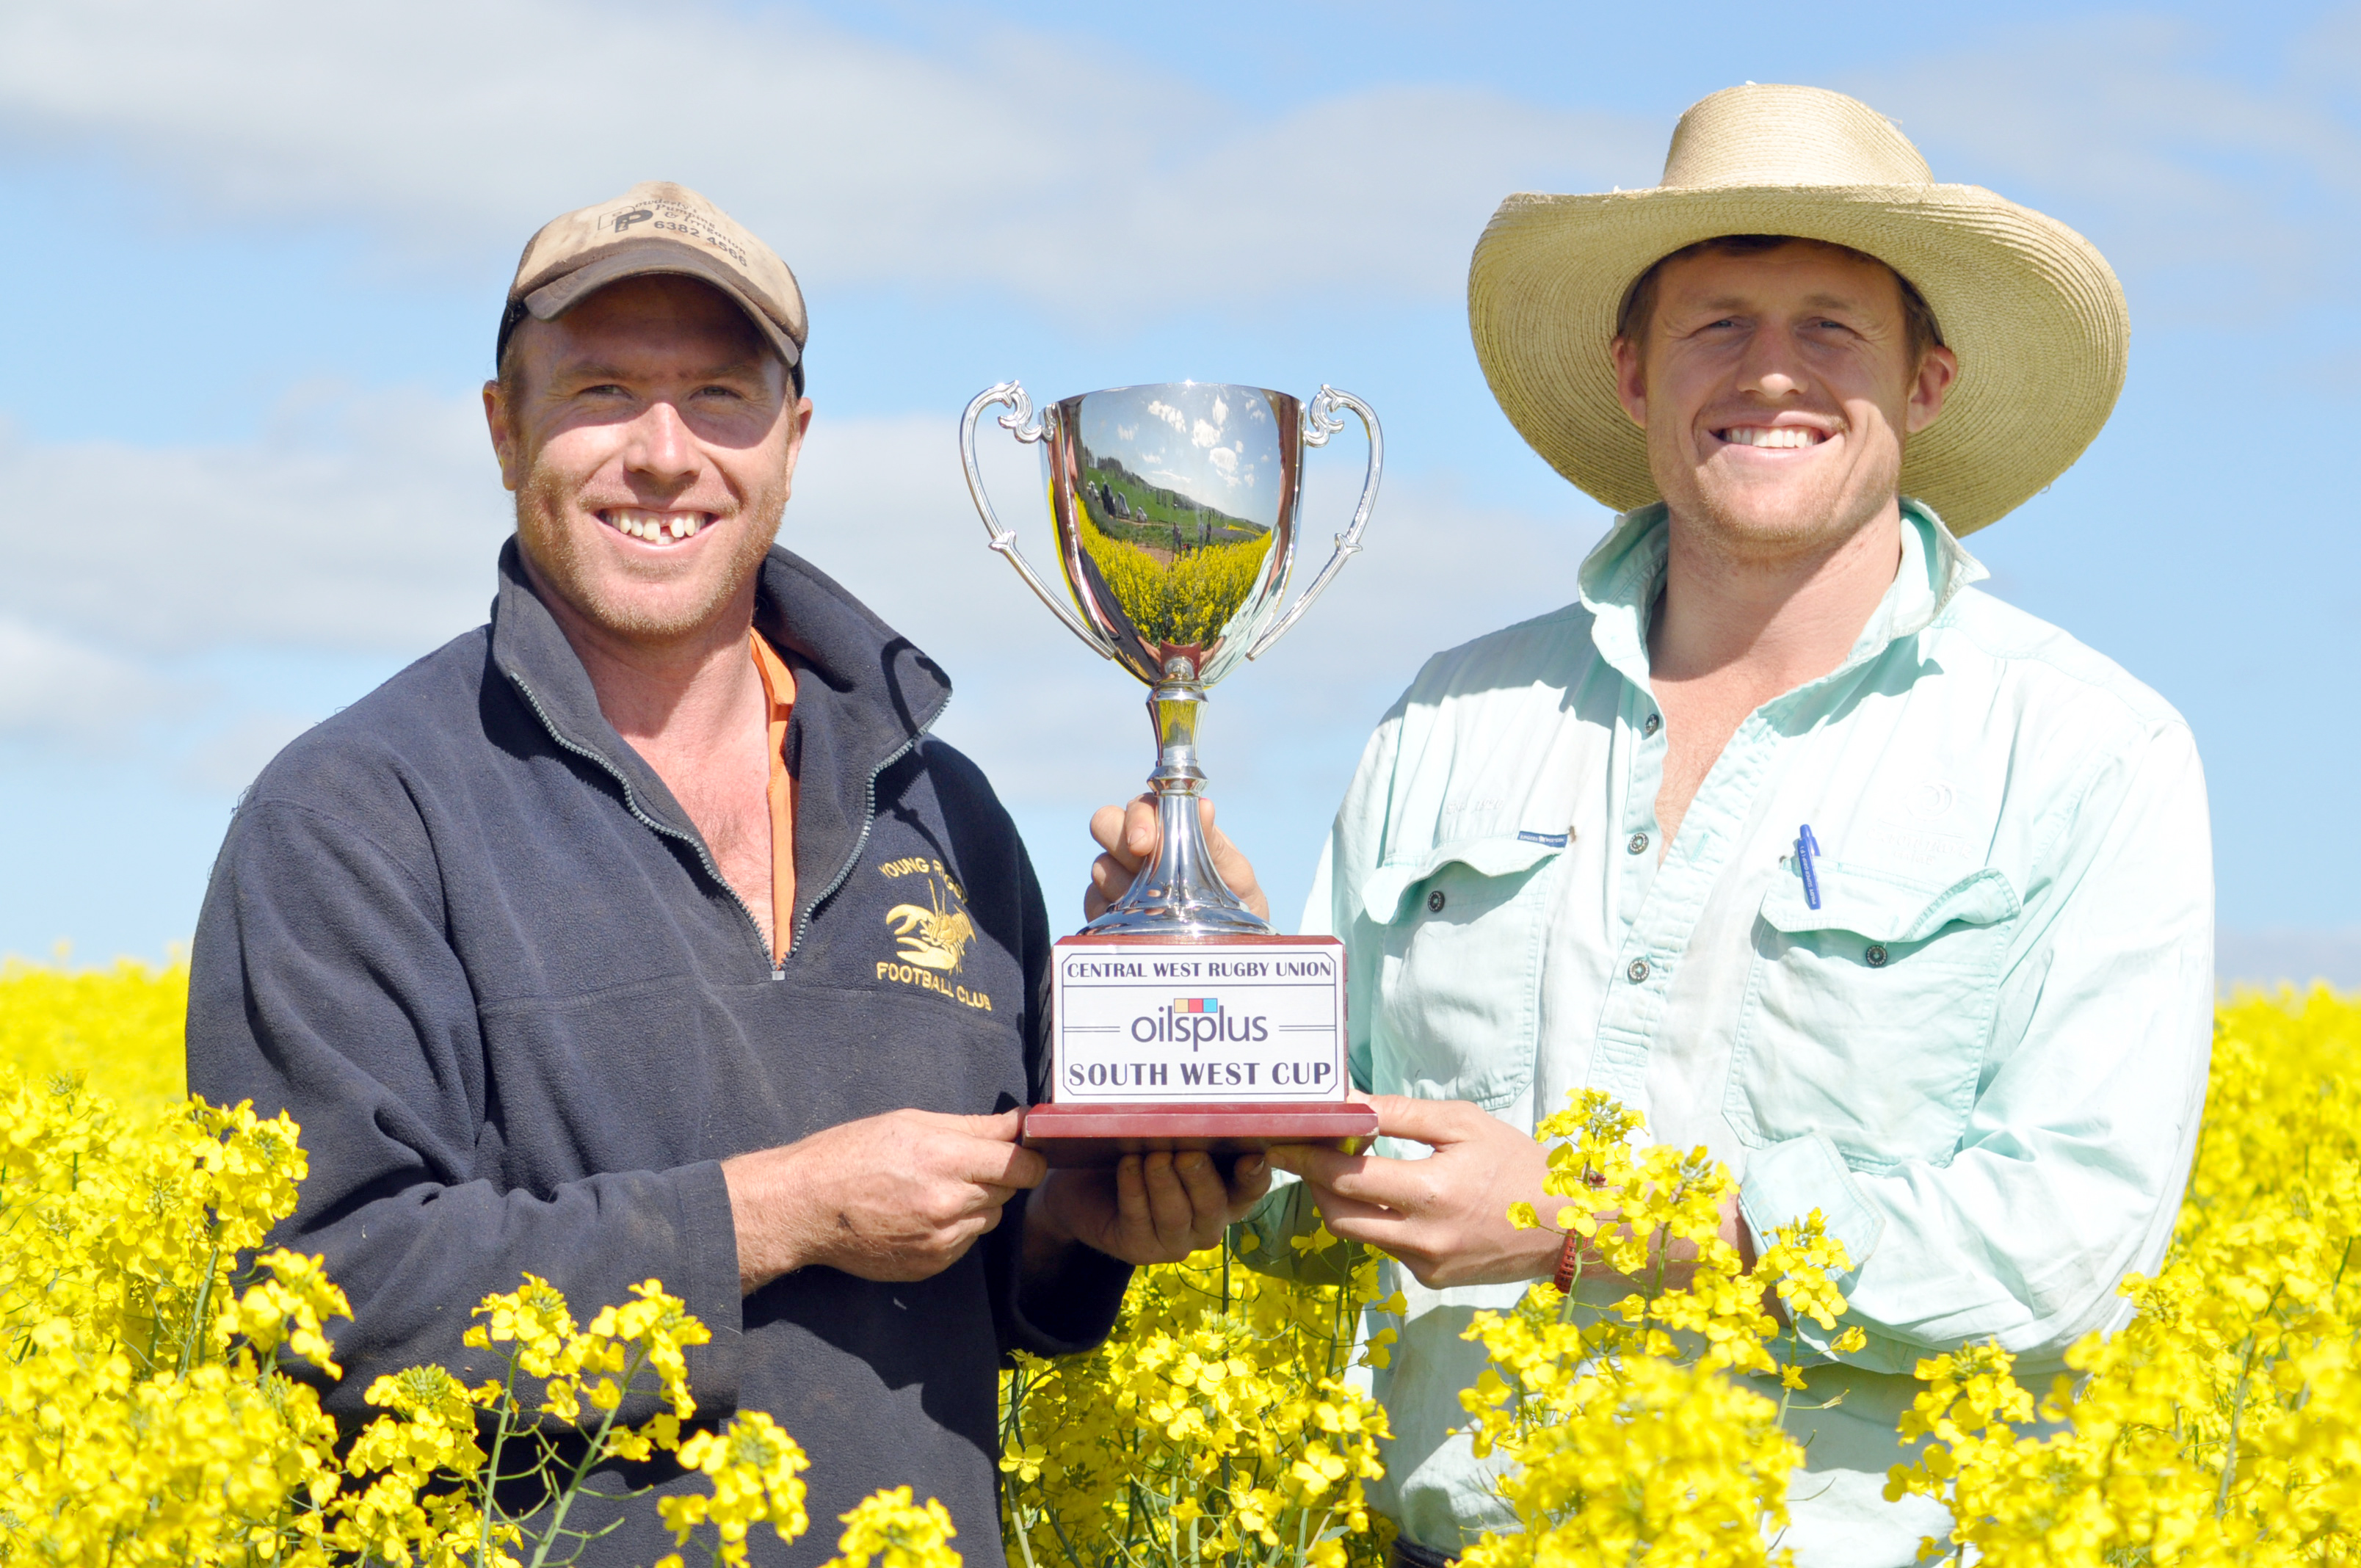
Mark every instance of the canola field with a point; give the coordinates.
(157, 1402)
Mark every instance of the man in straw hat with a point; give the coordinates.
(1896, 899)
(645, 933)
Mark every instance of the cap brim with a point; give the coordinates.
(2029, 306)
(654, 258)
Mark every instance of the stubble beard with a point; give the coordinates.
(1762, 525)
(554, 545)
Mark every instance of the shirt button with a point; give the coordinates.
(1876, 955)
(1638, 844)
(1435, 901)
(1638, 971)
(1655, 722)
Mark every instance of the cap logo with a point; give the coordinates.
(678, 220)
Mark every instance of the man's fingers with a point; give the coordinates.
(1110, 878)
(1106, 827)
(1020, 1167)
(1130, 836)
(1436, 1122)
(1131, 1195)
(1354, 1221)
(1237, 874)
(1316, 1163)
(1140, 834)
(997, 1167)
(990, 1195)
(990, 1154)
(1168, 1208)
(1250, 1179)
(1397, 1184)
(1209, 1200)
(1001, 1125)
(1127, 834)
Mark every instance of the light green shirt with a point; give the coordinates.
(1982, 1057)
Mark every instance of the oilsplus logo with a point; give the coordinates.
(1197, 1022)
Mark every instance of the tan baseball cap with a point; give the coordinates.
(656, 227)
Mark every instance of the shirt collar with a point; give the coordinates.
(1625, 571)
(778, 681)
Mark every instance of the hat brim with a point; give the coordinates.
(2031, 308)
(658, 257)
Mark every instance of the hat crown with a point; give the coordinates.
(663, 212)
(1771, 134)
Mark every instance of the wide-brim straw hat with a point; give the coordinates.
(2030, 307)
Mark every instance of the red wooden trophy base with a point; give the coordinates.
(1088, 1135)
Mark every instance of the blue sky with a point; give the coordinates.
(256, 252)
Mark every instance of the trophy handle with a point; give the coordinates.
(1321, 422)
(1018, 422)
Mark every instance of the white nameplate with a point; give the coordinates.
(1192, 1022)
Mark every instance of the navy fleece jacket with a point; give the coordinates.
(468, 939)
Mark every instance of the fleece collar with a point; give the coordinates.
(863, 696)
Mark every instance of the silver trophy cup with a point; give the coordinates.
(1176, 510)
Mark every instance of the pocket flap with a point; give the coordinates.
(1486, 857)
(1885, 907)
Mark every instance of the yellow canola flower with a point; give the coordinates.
(143, 1415)
(756, 1470)
(2224, 1424)
(115, 1030)
(1222, 1423)
(1632, 1437)
(887, 1529)
(158, 1406)
(147, 1416)
(1656, 1463)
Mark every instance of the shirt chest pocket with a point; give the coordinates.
(1866, 1019)
(1458, 991)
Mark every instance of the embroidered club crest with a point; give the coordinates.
(936, 938)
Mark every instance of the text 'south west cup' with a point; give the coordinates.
(1265, 1023)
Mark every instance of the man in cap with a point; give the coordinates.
(644, 933)
(1896, 899)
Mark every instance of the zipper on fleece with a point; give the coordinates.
(631, 804)
(868, 820)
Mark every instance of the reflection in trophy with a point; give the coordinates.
(1175, 511)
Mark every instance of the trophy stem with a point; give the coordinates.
(1179, 893)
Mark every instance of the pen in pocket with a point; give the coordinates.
(1805, 848)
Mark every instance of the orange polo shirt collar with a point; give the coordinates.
(779, 693)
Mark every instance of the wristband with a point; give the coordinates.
(1569, 1258)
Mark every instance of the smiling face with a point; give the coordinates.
(1776, 389)
(651, 437)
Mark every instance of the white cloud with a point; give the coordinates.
(880, 504)
(934, 166)
(372, 528)
(2208, 190)
(451, 127)
(357, 521)
(54, 686)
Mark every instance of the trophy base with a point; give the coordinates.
(1085, 1136)
(1225, 1043)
